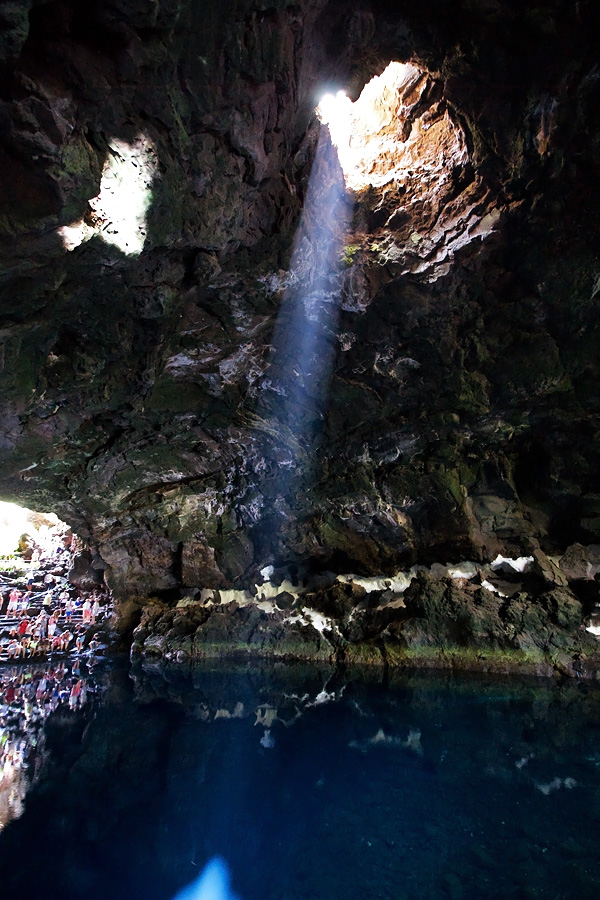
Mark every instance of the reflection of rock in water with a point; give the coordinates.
(556, 784)
(28, 696)
(267, 740)
(381, 739)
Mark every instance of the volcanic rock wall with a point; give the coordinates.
(462, 416)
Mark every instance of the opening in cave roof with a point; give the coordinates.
(397, 129)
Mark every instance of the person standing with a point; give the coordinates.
(13, 602)
(43, 625)
(23, 604)
(51, 627)
(95, 609)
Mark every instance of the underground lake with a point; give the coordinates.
(307, 784)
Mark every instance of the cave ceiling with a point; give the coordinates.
(461, 413)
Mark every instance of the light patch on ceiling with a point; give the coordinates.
(381, 137)
(118, 213)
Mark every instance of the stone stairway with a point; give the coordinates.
(7, 623)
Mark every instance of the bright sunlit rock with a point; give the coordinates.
(15, 521)
(521, 564)
(374, 143)
(118, 213)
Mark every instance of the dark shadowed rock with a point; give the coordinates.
(83, 574)
(580, 563)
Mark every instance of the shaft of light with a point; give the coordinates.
(305, 334)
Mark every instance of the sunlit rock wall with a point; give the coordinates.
(462, 414)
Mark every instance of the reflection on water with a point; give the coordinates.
(28, 695)
(311, 785)
(212, 884)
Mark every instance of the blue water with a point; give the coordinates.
(312, 786)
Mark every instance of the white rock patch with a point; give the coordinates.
(521, 564)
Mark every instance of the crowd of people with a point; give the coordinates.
(42, 613)
(51, 608)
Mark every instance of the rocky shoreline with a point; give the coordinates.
(529, 616)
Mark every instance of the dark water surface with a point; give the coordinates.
(358, 787)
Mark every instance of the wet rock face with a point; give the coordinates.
(461, 419)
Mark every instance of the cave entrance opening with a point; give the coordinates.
(400, 131)
(53, 595)
(24, 531)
